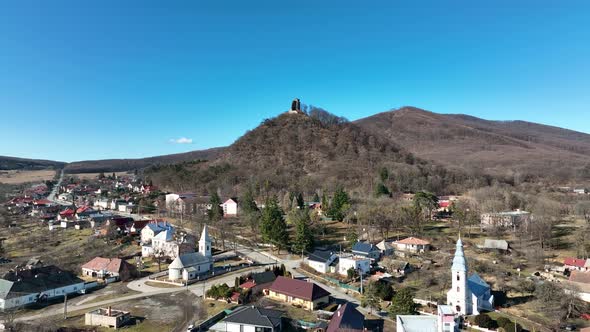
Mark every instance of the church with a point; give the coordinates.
(468, 295)
(189, 266)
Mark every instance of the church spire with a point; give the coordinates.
(459, 263)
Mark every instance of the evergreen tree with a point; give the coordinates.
(216, 211)
(402, 303)
(381, 190)
(384, 174)
(300, 201)
(316, 197)
(247, 203)
(340, 203)
(426, 202)
(303, 240)
(325, 202)
(351, 236)
(272, 225)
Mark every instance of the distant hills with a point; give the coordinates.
(120, 165)
(518, 149)
(421, 149)
(14, 163)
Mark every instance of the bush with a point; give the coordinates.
(502, 321)
(485, 321)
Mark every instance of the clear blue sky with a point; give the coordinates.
(121, 79)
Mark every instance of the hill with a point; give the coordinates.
(120, 165)
(14, 163)
(307, 153)
(516, 149)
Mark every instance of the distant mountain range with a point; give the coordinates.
(12, 163)
(413, 142)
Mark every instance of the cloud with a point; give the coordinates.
(182, 140)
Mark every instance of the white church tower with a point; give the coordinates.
(205, 243)
(459, 296)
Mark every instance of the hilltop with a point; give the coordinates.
(307, 153)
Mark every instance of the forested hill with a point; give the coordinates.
(116, 165)
(11, 163)
(308, 153)
(520, 150)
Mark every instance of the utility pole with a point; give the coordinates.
(66, 306)
(361, 273)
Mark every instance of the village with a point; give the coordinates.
(458, 271)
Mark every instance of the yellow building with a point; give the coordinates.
(298, 292)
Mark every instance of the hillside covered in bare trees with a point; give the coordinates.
(516, 150)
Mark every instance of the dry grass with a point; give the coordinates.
(18, 176)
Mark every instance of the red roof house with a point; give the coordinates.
(108, 267)
(574, 263)
(298, 292)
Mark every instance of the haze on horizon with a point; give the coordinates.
(111, 80)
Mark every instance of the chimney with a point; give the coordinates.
(109, 311)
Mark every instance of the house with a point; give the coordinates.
(168, 243)
(33, 284)
(67, 214)
(396, 266)
(251, 318)
(187, 203)
(323, 261)
(84, 212)
(187, 266)
(259, 281)
(107, 317)
(365, 249)
(100, 267)
(102, 203)
(317, 207)
(152, 229)
(580, 191)
(385, 248)
(575, 264)
(353, 262)
(444, 321)
(297, 292)
(346, 318)
(507, 219)
(468, 295)
(492, 244)
(126, 207)
(412, 244)
(230, 207)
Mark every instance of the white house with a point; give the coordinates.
(169, 245)
(357, 263)
(188, 266)
(323, 261)
(126, 208)
(444, 321)
(230, 207)
(102, 203)
(152, 229)
(468, 295)
(32, 284)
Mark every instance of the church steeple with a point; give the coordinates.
(459, 262)
(205, 242)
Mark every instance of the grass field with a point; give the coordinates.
(18, 176)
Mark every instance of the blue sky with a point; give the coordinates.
(121, 79)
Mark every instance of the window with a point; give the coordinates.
(458, 308)
(458, 278)
(458, 289)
